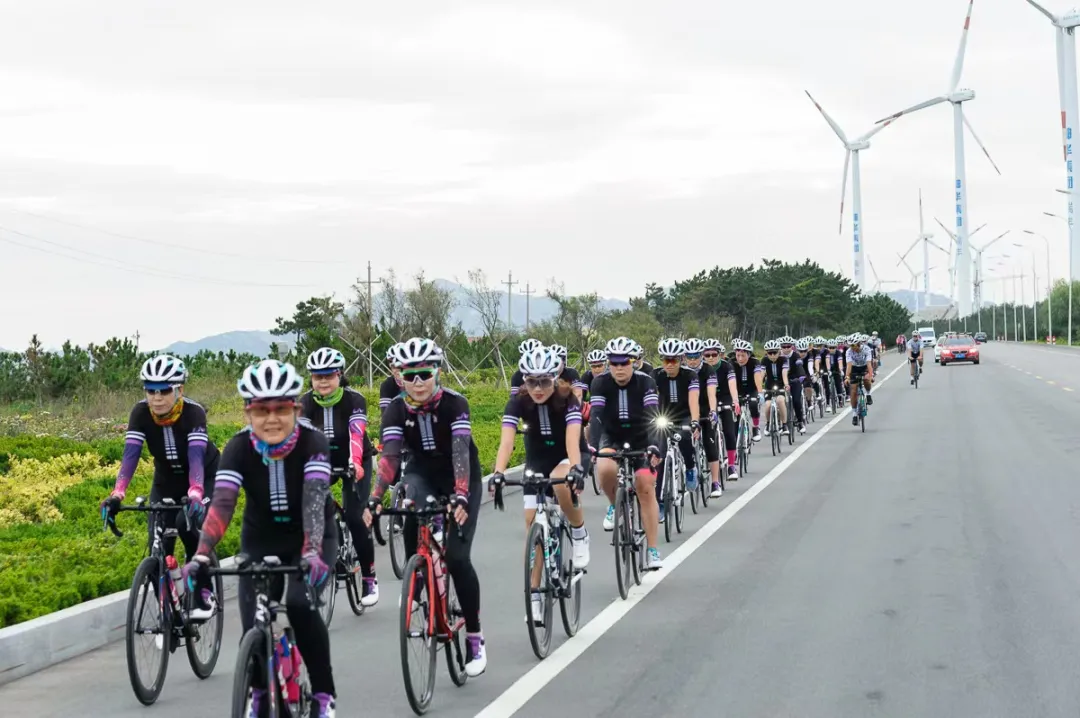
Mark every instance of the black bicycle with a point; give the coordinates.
(157, 585)
(268, 660)
(628, 536)
(346, 568)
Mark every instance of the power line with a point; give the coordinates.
(139, 269)
(159, 243)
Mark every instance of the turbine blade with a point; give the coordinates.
(905, 254)
(876, 129)
(914, 108)
(947, 230)
(977, 229)
(978, 141)
(1043, 10)
(835, 127)
(843, 189)
(871, 263)
(958, 65)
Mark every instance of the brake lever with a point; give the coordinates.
(110, 523)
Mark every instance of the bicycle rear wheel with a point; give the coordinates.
(203, 640)
(326, 599)
(595, 483)
(639, 539)
(250, 670)
(455, 653)
(539, 636)
(144, 595)
(621, 539)
(669, 492)
(418, 644)
(570, 598)
(396, 531)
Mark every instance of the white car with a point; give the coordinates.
(928, 335)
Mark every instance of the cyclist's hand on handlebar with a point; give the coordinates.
(654, 455)
(196, 505)
(196, 572)
(458, 505)
(577, 478)
(111, 505)
(317, 570)
(495, 489)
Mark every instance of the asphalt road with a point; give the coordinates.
(924, 568)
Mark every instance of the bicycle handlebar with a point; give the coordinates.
(164, 506)
(270, 565)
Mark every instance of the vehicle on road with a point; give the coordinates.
(928, 335)
(980, 337)
(959, 349)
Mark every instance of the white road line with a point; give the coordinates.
(531, 683)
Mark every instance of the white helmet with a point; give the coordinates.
(772, 346)
(874, 333)
(786, 339)
(671, 347)
(419, 350)
(693, 345)
(741, 345)
(163, 369)
(391, 354)
(720, 348)
(712, 344)
(802, 345)
(325, 360)
(270, 379)
(636, 349)
(540, 362)
(819, 339)
(619, 346)
(530, 345)
(855, 338)
(596, 356)
(559, 350)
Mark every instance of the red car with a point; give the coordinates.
(956, 349)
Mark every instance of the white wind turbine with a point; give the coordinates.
(878, 281)
(952, 257)
(926, 241)
(852, 147)
(956, 97)
(914, 280)
(1065, 42)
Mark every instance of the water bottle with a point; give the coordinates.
(177, 581)
(288, 665)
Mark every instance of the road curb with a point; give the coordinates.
(42, 642)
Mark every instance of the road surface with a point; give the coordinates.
(925, 568)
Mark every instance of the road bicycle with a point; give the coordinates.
(346, 569)
(628, 536)
(675, 490)
(744, 438)
(772, 420)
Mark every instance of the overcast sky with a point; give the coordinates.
(608, 144)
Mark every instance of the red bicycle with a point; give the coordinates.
(430, 611)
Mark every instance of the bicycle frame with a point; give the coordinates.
(551, 520)
(156, 548)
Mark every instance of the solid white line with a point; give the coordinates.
(531, 683)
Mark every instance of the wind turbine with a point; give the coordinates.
(956, 97)
(878, 281)
(852, 147)
(978, 267)
(1065, 42)
(952, 256)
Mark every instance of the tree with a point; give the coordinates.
(391, 310)
(428, 309)
(638, 323)
(315, 323)
(578, 319)
(486, 302)
(883, 314)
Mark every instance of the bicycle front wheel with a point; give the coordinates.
(144, 596)
(621, 539)
(419, 648)
(250, 671)
(669, 493)
(203, 641)
(326, 599)
(539, 634)
(570, 598)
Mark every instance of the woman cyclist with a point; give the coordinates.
(283, 465)
(185, 460)
(749, 378)
(727, 395)
(517, 379)
(341, 414)
(553, 447)
(432, 424)
(391, 385)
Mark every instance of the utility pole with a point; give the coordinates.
(371, 320)
(528, 300)
(137, 335)
(509, 294)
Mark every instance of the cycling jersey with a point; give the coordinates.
(570, 376)
(624, 413)
(437, 438)
(344, 424)
(858, 358)
(545, 435)
(914, 347)
(796, 367)
(182, 450)
(744, 376)
(388, 391)
(517, 380)
(774, 371)
(647, 368)
(675, 393)
(706, 377)
(839, 361)
(725, 372)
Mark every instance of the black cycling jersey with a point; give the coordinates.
(342, 423)
(171, 446)
(545, 435)
(744, 376)
(839, 361)
(774, 371)
(388, 391)
(706, 377)
(796, 367)
(274, 489)
(675, 392)
(725, 372)
(647, 368)
(570, 376)
(427, 434)
(517, 380)
(624, 413)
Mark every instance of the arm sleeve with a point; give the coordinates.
(596, 419)
(651, 402)
(358, 422)
(133, 446)
(197, 441)
(316, 489)
(393, 435)
(460, 445)
(227, 485)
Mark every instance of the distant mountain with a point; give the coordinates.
(242, 342)
(907, 298)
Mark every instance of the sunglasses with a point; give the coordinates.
(539, 382)
(672, 360)
(415, 375)
(624, 362)
(772, 352)
(711, 355)
(597, 365)
(161, 392)
(260, 410)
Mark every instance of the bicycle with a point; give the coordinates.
(549, 539)
(395, 528)
(744, 439)
(442, 619)
(160, 575)
(915, 372)
(674, 482)
(838, 394)
(705, 477)
(861, 404)
(628, 537)
(772, 422)
(264, 656)
(789, 425)
(345, 569)
(819, 396)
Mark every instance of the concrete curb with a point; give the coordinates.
(47, 640)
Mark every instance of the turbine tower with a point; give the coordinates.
(952, 256)
(852, 147)
(1065, 42)
(957, 97)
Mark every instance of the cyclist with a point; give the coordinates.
(901, 342)
(680, 403)
(639, 363)
(839, 364)
(775, 370)
(625, 404)
(568, 375)
(432, 423)
(517, 379)
(391, 385)
(707, 404)
(553, 443)
(796, 375)
(282, 463)
(875, 348)
(749, 377)
(727, 394)
(341, 414)
(597, 365)
(809, 368)
(821, 357)
(860, 367)
(914, 348)
(185, 460)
